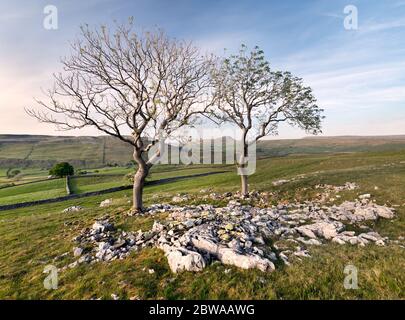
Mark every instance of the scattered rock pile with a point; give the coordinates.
(239, 235)
(253, 196)
(330, 188)
(280, 182)
(263, 198)
(102, 242)
(330, 193)
(180, 198)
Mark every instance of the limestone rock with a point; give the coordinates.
(77, 252)
(102, 226)
(307, 232)
(384, 212)
(326, 230)
(157, 226)
(244, 261)
(229, 256)
(106, 203)
(179, 198)
(72, 209)
(280, 182)
(181, 259)
(237, 234)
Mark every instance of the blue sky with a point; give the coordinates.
(358, 75)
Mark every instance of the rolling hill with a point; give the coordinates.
(90, 152)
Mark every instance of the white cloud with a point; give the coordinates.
(373, 85)
(382, 26)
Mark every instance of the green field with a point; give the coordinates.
(88, 184)
(31, 185)
(114, 177)
(33, 191)
(26, 175)
(32, 237)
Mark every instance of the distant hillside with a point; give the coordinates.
(338, 144)
(87, 152)
(43, 151)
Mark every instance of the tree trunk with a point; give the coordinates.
(139, 182)
(242, 165)
(244, 185)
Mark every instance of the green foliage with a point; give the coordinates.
(112, 165)
(129, 177)
(62, 169)
(256, 98)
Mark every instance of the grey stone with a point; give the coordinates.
(72, 209)
(189, 223)
(77, 252)
(157, 226)
(106, 203)
(338, 240)
(369, 236)
(197, 234)
(380, 243)
(229, 256)
(118, 244)
(181, 259)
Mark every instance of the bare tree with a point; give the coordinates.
(139, 87)
(256, 99)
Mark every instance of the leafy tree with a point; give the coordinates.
(62, 169)
(256, 100)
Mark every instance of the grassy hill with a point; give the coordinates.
(43, 151)
(90, 152)
(340, 144)
(36, 236)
